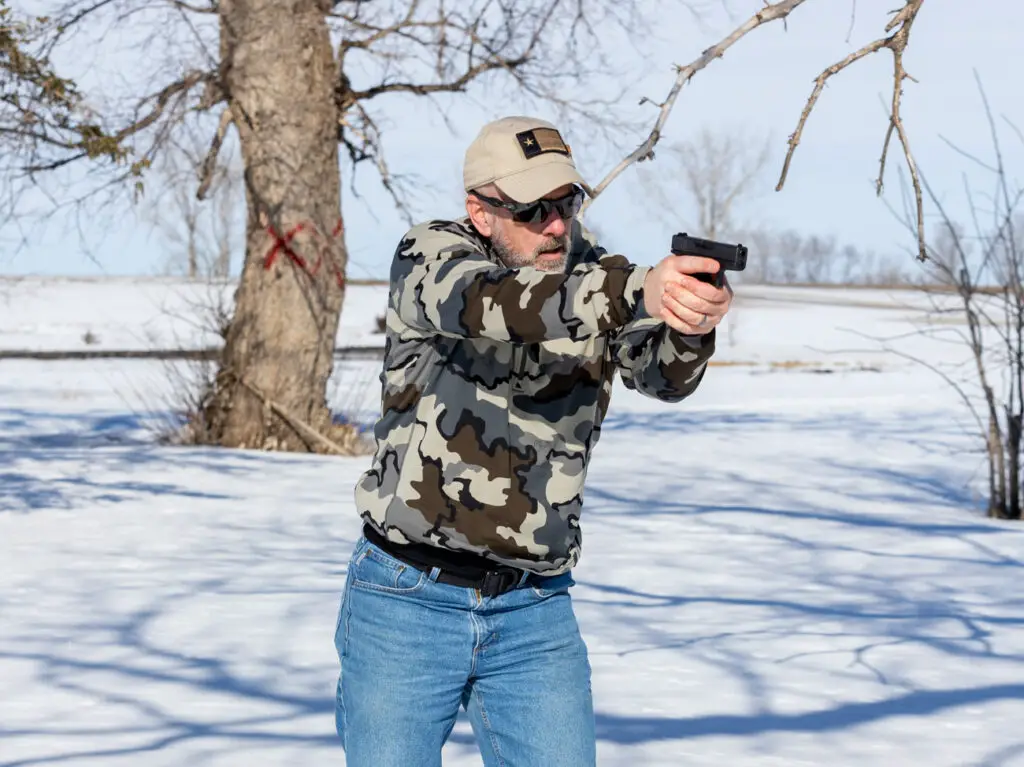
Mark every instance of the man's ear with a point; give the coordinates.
(478, 215)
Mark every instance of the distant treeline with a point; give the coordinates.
(790, 258)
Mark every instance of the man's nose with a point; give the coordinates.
(554, 226)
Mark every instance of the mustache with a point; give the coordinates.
(553, 244)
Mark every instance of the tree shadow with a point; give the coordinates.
(627, 730)
(240, 681)
(704, 421)
(27, 493)
(144, 651)
(94, 451)
(1002, 756)
(838, 572)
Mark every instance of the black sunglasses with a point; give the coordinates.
(531, 212)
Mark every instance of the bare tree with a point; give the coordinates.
(202, 234)
(298, 82)
(39, 106)
(301, 83)
(896, 39)
(948, 248)
(717, 169)
(818, 256)
(981, 282)
(789, 257)
(849, 263)
(762, 268)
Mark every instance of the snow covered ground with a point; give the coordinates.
(129, 314)
(790, 568)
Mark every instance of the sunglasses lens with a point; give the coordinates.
(537, 211)
(566, 207)
(570, 205)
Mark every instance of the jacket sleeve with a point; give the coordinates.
(651, 357)
(442, 283)
(659, 362)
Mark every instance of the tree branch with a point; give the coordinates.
(210, 161)
(191, 8)
(368, 133)
(378, 32)
(462, 45)
(94, 145)
(492, 60)
(303, 428)
(819, 84)
(645, 151)
(453, 86)
(162, 99)
(897, 43)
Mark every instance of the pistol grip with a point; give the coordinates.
(710, 279)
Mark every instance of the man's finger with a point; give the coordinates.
(686, 328)
(690, 315)
(684, 297)
(696, 264)
(681, 327)
(703, 289)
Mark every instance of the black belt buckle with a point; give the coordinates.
(497, 582)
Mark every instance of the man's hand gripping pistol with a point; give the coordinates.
(732, 257)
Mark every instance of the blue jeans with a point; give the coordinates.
(413, 650)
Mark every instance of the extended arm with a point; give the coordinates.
(441, 282)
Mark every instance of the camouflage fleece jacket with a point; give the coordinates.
(495, 384)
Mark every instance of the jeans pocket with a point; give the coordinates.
(556, 584)
(376, 570)
(343, 606)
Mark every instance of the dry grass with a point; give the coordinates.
(813, 366)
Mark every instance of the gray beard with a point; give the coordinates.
(515, 260)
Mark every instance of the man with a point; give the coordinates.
(505, 331)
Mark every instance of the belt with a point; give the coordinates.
(491, 581)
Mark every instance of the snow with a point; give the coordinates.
(791, 567)
(50, 313)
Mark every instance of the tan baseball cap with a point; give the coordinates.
(525, 157)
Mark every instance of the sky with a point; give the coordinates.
(757, 89)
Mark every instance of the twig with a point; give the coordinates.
(645, 151)
(294, 421)
(491, 62)
(371, 149)
(161, 99)
(212, 8)
(953, 383)
(210, 161)
(447, 34)
(897, 43)
(1015, 129)
(819, 84)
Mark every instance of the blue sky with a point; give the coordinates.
(759, 87)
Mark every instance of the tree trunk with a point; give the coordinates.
(1013, 422)
(997, 470)
(193, 250)
(278, 71)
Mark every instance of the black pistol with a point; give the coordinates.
(732, 257)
